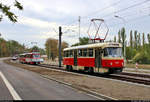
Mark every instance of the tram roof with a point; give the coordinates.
(30, 53)
(95, 45)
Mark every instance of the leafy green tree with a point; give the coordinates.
(135, 39)
(42, 51)
(115, 39)
(82, 41)
(51, 46)
(35, 49)
(6, 11)
(119, 36)
(139, 41)
(148, 37)
(123, 37)
(131, 39)
(10, 48)
(130, 53)
(143, 40)
(142, 57)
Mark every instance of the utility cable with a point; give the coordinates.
(124, 9)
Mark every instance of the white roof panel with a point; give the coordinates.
(94, 46)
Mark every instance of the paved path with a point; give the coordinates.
(20, 84)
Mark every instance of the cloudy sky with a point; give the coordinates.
(40, 19)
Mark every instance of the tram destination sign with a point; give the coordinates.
(114, 45)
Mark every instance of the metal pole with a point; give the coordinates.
(79, 25)
(79, 28)
(60, 57)
(124, 34)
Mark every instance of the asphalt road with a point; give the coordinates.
(26, 85)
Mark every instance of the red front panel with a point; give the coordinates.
(87, 62)
(112, 63)
(68, 61)
(22, 59)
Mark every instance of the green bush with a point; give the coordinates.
(142, 57)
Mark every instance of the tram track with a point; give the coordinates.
(124, 76)
(136, 75)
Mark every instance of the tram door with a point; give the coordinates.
(98, 58)
(75, 57)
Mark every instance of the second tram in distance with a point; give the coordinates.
(30, 58)
(97, 57)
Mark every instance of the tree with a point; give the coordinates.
(148, 37)
(135, 39)
(10, 48)
(130, 53)
(51, 48)
(143, 39)
(82, 41)
(123, 37)
(142, 57)
(35, 49)
(6, 11)
(42, 51)
(139, 40)
(115, 39)
(131, 39)
(119, 37)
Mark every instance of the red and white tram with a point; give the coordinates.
(97, 57)
(30, 58)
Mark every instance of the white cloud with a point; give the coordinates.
(37, 23)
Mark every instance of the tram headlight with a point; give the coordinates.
(122, 64)
(111, 63)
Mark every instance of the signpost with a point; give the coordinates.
(60, 57)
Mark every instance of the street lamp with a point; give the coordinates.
(124, 34)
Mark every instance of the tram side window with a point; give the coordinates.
(80, 53)
(85, 52)
(64, 54)
(71, 54)
(27, 56)
(105, 52)
(67, 54)
(90, 52)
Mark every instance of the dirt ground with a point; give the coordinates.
(115, 89)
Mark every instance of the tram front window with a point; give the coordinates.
(113, 52)
(36, 56)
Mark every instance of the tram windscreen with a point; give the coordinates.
(113, 52)
(36, 56)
